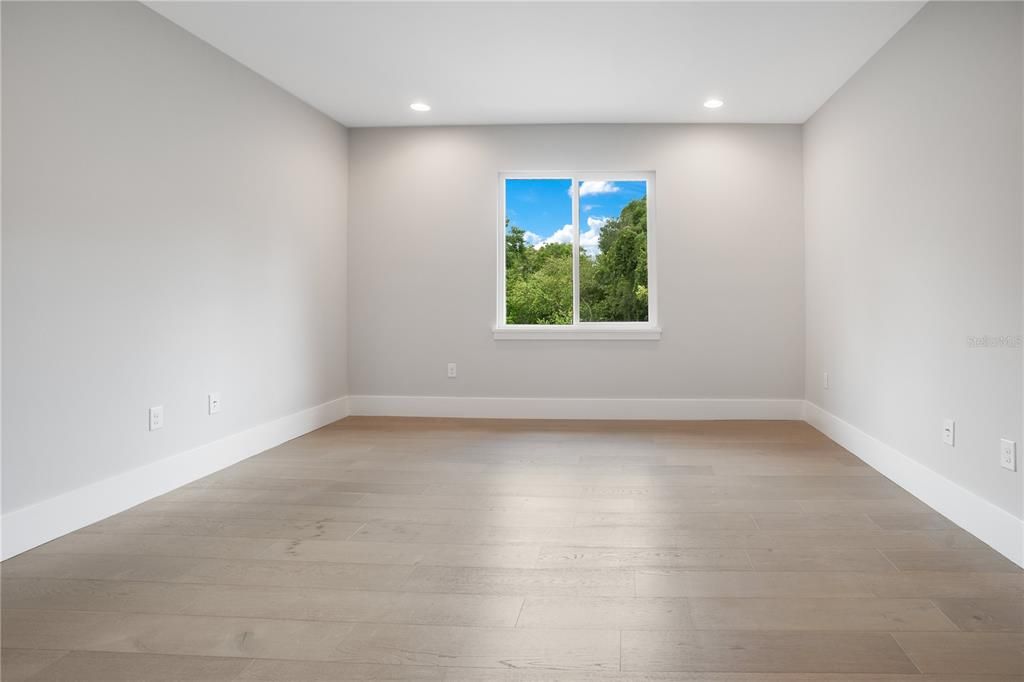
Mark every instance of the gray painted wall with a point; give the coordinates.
(173, 224)
(423, 240)
(913, 220)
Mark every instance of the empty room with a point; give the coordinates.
(520, 341)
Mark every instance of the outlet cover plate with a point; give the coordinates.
(156, 417)
(1008, 454)
(949, 432)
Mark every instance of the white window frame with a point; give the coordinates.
(606, 331)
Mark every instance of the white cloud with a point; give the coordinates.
(597, 187)
(589, 239)
(532, 238)
(562, 236)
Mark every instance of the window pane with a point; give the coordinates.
(613, 251)
(538, 251)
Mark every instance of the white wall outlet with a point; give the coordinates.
(451, 370)
(156, 417)
(949, 432)
(1008, 454)
(824, 381)
(213, 403)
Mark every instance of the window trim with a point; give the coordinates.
(605, 331)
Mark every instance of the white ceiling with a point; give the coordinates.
(550, 62)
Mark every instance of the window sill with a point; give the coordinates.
(595, 332)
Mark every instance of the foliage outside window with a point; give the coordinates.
(575, 251)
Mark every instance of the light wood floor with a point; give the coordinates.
(486, 550)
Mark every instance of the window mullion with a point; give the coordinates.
(575, 252)
(502, 278)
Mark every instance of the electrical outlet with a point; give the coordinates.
(213, 403)
(949, 432)
(451, 370)
(1008, 454)
(824, 381)
(156, 417)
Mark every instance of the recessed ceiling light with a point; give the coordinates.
(419, 106)
(713, 103)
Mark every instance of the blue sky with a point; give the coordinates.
(543, 207)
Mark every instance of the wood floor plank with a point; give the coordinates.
(327, 498)
(249, 510)
(770, 466)
(667, 519)
(901, 503)
(335, 671)
(527, 581)
(959, 560)
(813, 521)
(817, 614)
(368, 487)
(686, 583)
(419, 463)
(762, 652)
(97, 595)
(911, 520)
(514, 555)
(964, 653)
(611, 468)
(859, 560)
(489, 502)
(483, 647)
(497, 518)
(357, 606)
(330, 575)
(280, 603)
(946, 584)
(173, 634)
(19, 665)
(231, 480)
(985, 615)
(646, 490)
(226, 528)
(617, 557)
(709, 504)
(159, 545)
(842, 538)
(400, 531)
(210, 571)
(242, 519)
(36, 564)
(519, 675)
(102, 666)
(647, 536)
(621, 613)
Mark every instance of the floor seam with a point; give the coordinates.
(522, 605)
(909, 657)
(886, 557)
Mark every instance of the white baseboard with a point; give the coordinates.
(575, 408)
(31, 526)
(993, 525)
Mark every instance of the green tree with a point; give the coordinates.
(538, 282)
(617, 291)
(516, 251)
